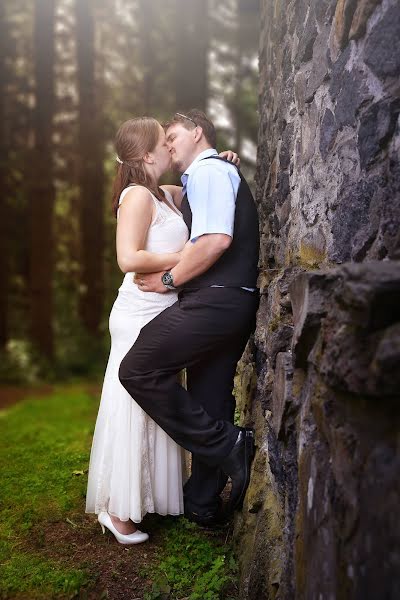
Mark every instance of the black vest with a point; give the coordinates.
(238, 266)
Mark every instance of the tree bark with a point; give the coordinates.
(247, 15)
(192, 40)
(147, 54)
(238, 77)
(41, 193)
(3, 184)
(91, 175)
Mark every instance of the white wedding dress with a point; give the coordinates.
(135, 467)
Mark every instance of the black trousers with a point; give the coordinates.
(206, 332)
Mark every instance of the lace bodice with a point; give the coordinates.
(167, 232)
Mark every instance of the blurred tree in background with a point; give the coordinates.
(40, 182)
(71, 71)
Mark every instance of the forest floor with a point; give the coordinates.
(49, 547)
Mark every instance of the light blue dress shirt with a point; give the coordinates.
(211, 187)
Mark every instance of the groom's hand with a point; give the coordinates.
(150, 282)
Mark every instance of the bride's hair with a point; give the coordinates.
(134, 138)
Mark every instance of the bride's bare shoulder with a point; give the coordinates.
(135, 193)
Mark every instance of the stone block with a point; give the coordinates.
(341, 24)
(285, 153)
(307, 33)
(313, 248)
(364, 10)
(350, 217)
(371, 293)
(360, 333)
(282, 188)
(337, 71)
(377, 126)
(324, 11)
(282, 390)
(309, 293)
(265, 277)
(259, 526)
(385, 365)
(245, 385)
(320, 64)
(382, 48)
(283, 212)
(327, 133)
(362, 241)
(308, 133)
(279, 338)
(353, 92)
(300, 91)
(391, 205)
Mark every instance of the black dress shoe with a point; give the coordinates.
(209, 519)
(237, 466)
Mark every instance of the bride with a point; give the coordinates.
(135, 467)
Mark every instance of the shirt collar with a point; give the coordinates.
(192, 166)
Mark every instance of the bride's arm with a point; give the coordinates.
(176, 193)
(176, 190)
(231, 156)
(134, 219)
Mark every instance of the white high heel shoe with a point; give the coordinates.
(132, 538)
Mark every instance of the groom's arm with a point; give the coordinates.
(196, 258)
(212, 197)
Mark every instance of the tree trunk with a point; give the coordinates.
(238, 77)
(41, 194)
(91, 176)
(3, 185)
(147, 54)
(247, 17)
(192, 54)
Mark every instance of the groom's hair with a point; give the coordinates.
(190, 119)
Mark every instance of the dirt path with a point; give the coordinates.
(119, 570)
(11, 394)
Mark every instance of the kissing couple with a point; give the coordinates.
(188, 301)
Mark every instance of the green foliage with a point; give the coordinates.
(80, 355)
(193, 565)
(18, 363)
(43, 443)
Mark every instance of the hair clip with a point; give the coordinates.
(117, 158)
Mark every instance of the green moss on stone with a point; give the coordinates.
(311, 256)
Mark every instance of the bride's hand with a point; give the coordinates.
(231, 157)
(150, 282)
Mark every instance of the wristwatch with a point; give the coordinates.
(168, 280)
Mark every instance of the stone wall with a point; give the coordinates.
(321, 378)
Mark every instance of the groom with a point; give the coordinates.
(207, 329)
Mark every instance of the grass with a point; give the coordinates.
(50, 549)
(193, 564)
(43, 455)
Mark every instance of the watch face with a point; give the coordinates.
(167, 279)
